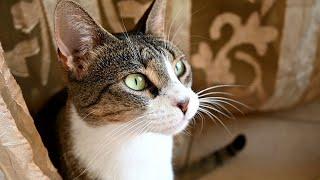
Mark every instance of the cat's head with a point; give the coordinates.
(138, 77)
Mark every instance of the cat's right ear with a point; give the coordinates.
(76, 34)
(153, 20)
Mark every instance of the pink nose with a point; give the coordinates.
(183, 105)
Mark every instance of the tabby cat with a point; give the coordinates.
(128, 94)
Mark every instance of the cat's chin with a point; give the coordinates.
(180, 127)
(175, 128)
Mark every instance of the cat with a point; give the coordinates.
(128, 95)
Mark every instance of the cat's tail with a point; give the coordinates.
(212, 161)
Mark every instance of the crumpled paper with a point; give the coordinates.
(22, 154)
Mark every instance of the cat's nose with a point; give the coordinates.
(183, 105)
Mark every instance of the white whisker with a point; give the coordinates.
(228, 99)
(228, 103)
(206, 112)
(212, 116)
(218, 86)
(213, 93)
(214, 109)
(217, 104)
(201, 118)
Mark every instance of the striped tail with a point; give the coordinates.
(212, 161)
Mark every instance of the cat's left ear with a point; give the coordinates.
(153, 20)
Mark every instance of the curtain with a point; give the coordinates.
(268, 47)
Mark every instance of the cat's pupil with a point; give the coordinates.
(136, 81)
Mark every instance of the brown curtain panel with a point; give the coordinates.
(269, 47)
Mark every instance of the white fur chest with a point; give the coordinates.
(111, 154)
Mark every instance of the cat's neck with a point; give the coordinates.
(110, 153)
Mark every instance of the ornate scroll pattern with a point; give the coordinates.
(252, 32)
(26, 15)
(17, 56)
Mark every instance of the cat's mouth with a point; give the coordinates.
(177, 126)
(182, 123)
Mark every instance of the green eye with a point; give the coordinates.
(180, 68)
(136, 82)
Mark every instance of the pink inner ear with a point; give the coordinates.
(74, 37)
(75, 30)
(62, 47)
